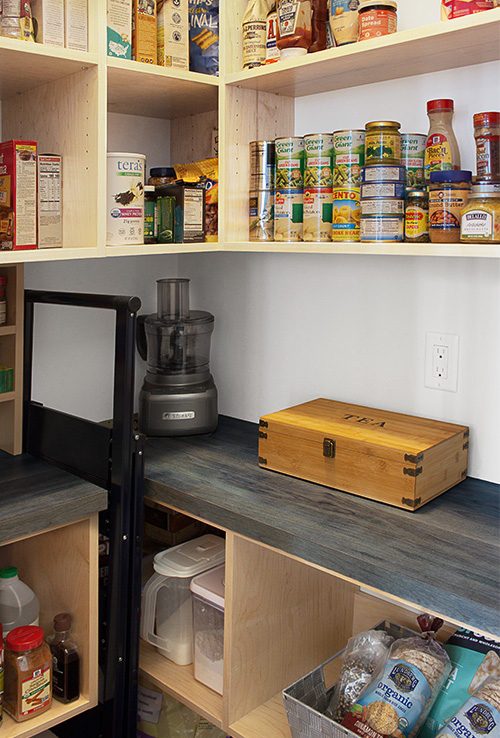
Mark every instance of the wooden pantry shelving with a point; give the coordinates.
(305, 575)
(60, 98)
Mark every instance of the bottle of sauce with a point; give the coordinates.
(441, 151)
(294, 32)
(65, 660)
(272, 52)
(254, 33)
(319, 25)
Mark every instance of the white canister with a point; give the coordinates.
(125, 199)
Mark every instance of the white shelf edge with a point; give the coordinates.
(184, 75)
(45, 50)
(372, 248)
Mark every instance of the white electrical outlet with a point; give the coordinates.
(441, 361)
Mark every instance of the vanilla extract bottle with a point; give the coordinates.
(65, 660)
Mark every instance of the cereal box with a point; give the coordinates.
(49, 16)
(119, 14)
(144, 31)
(18, 206)
(49, 201)
(173, 33)
(76, 25)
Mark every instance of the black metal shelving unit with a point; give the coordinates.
(110, 456)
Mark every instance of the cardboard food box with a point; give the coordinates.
(49, 17)
(172, 39)
(189, 213)
(18, 195)
(49, 201)
(119, 14)
(144, 31)
(402, 460)
(76, 25)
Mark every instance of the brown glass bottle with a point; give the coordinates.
(65, 660)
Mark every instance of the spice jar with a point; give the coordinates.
(487, 137)
(28, 673)
(441, 149)
(448, 195)
(377, 18)
(416, 216)
(382, 142)
(480, 220)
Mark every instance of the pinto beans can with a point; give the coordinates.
(346, 214)
(125, 199)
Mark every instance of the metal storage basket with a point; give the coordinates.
(307, 699)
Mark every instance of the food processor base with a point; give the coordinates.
(181, 413)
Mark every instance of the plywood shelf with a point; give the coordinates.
(55, 715)
(26, 66)
(141, 89)
(179, 681)
(447, 45)
(491, 251)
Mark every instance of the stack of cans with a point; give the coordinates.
(289, 189)
(383, 203)
(261, 205)
(349, 158)
(318, 187)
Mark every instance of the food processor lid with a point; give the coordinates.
(190, 558)
(211, 586)
(195, 318)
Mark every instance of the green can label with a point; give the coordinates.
(318, 170)
(349, 157)
(289, 168)
(412, 158)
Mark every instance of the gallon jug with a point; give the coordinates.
(18, 603)
(167, 598)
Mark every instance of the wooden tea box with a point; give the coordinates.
(402, 460)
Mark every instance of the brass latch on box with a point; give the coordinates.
(413, 472)
(328, 448)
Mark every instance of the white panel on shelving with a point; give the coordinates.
(149, 136)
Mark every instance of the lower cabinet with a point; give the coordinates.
(283, 617)
(60, 565)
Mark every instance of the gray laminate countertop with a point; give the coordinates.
(34, 495)
(444, 556)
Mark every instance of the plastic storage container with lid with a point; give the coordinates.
(208, 618)
(167, 597)
(19, 605)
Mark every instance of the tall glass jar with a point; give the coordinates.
(441, 151)
(487, 137)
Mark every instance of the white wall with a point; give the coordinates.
(292, 327)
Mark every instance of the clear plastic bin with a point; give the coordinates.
(208, 620)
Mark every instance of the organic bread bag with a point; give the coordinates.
(474, 658)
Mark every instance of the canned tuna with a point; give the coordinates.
(383, 206)
(383, 173)
(382, 228)
(382, 189)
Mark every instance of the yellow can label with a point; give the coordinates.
(346, 214)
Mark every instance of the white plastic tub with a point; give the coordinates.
(208, 620)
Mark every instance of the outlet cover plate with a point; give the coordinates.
(447, 380)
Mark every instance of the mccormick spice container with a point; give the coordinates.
(416, 216)
(28, 673)
(487, 137)
(480, 220)
(377, 18)
(448, 195)
(382, 142)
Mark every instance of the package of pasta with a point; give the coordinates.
(204, 36)
(474, 658)
(479, 716)
(398, 699)
(362, 658)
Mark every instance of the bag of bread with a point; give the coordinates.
(398, 699)
(479, 716)
(474, 657)
(362, 658)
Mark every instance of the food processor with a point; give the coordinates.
(178, 396)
